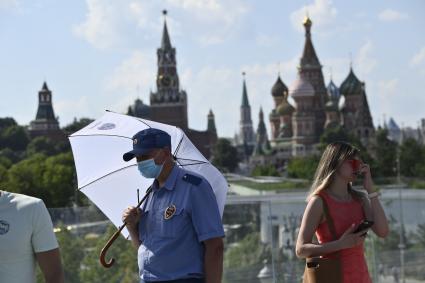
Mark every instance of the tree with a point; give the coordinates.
(41, 145)
(248, 252)
(48, 178)
(6, 123)
(386, 151)
(265, 170)
(225, 156)
(14, 137)
(72, 254)
(412, 156)
(124, 269)
(334, 134)
(303, 167)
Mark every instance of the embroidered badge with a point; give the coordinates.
(4, 227)
(169, 212)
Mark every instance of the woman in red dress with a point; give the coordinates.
(339, 166)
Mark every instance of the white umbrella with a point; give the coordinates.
(110, 182)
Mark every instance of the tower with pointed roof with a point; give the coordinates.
(45, 123)
(211, 123)
(333, 118)
(279, 93)
(262, 145)
(169, 102)
(355, 112)
(246, 131)
(311, 69)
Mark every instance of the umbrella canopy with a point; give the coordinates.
(111, 183)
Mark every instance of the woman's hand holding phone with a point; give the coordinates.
(350, 239)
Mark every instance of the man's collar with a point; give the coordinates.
(171, 179)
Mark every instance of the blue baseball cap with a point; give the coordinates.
(146, 140)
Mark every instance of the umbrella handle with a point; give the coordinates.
(115, 236)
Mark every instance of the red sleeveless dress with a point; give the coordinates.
(354, 268)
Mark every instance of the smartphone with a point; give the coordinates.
(366, 224)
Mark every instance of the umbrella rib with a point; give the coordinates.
(199, 161)
(105, 176)
(178, 146)
(192, 164)
(94, 135)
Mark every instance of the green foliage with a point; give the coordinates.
(42, 145)
(265, 170)
(335, 134)
(412, 158)
(303, 167)
(6, 123)
(11, 155)
(386, 153)
(72, 253)
(14, 137)
(48, 178)
(225, 156)
(247, 252)
(124, 270)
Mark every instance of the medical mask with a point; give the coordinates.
(149, 169)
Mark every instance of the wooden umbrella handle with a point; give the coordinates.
(108, 264)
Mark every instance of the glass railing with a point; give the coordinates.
(259, 244)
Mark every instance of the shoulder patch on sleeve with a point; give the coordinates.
(192, 179)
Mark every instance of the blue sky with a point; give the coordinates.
(101, 54)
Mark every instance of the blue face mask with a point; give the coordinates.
(149, 169)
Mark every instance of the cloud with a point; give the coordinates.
(364, 62)
(7, 5)
(389, 15)
(135, 73)
(321, 12)
(418, 58)
(65, 108)
(101, 27)
(265, 40)
(387, 88)
(111, 23)
(209, 14)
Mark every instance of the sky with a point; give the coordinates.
(101, 54)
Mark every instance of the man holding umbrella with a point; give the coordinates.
(178, 231)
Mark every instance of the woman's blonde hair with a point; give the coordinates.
(332, 158)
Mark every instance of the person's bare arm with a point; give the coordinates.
(213, 260)
(373, 208)
(311, 219)
(51, 266)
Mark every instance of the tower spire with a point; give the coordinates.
(165, 41)
(245, 102)
(309, 57)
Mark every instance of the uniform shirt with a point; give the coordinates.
(175, 221)
(25, 229)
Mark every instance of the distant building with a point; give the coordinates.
(45, 123)
(399, 134)
(245, 139)
(296, 129)
(168, 104)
